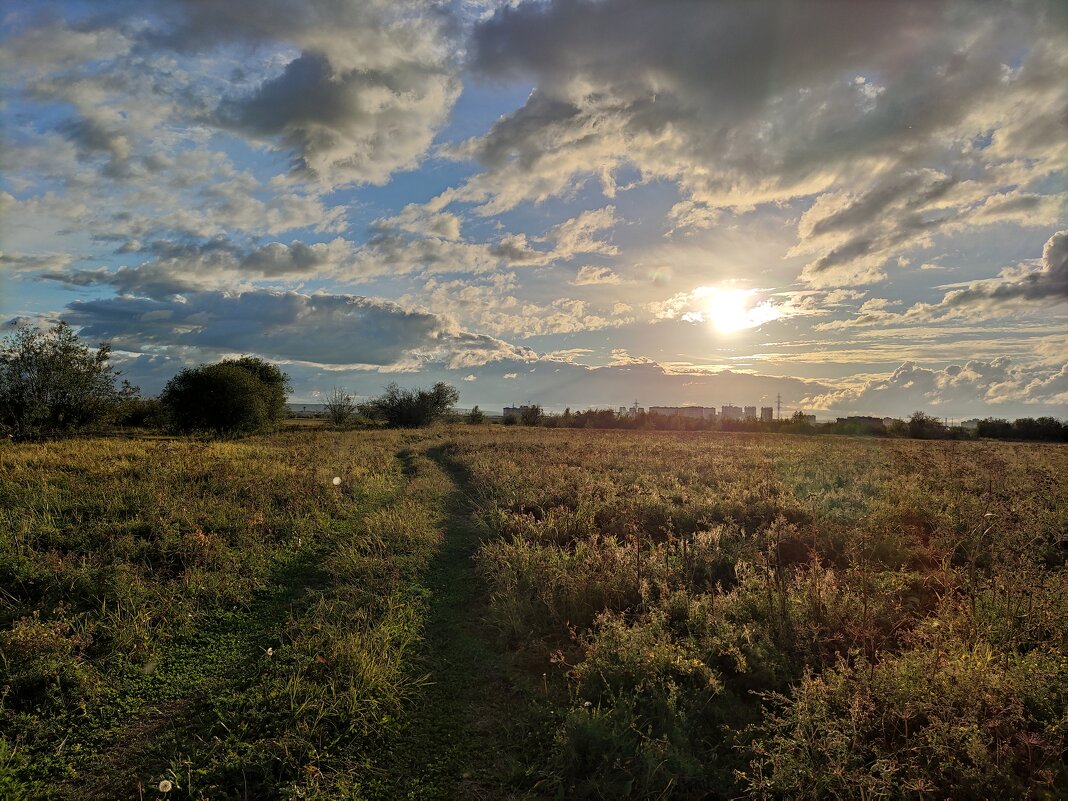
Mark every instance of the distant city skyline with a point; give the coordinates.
(862, 207)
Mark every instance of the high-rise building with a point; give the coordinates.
(730, 412)
(691, 412)
(750, 412)
(767, 414)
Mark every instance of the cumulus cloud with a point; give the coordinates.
(700, 83)
(1048, 283)
(347, 125)
(426, 240)
(905, 116)
(494, 305)
(329, 329)
(957, 390)
(362, 97)
(372, 83)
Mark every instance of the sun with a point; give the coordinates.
(733, 310)
(726, 309)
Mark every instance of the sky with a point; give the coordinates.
(859, 207)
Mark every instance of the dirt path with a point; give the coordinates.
(468, 734)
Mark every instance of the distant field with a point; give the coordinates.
(490, 612)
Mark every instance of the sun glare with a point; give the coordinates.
(731, 310)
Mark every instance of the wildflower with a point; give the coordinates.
(165, 786)
(337, 481)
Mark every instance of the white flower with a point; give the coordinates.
(165, 786)
(337, 481)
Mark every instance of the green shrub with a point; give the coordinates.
(941, 719)
(411, 408)
(51, 383)
(235, 396)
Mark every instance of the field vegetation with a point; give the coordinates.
(489, 612)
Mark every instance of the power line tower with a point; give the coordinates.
(778, 406)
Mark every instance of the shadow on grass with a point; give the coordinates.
(156, 709)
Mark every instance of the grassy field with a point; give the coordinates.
(490, 612)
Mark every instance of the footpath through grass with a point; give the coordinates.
(221, 620)
(471, 731)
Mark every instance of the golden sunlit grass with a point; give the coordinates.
(785, 617)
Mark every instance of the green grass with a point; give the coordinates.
(489, 612)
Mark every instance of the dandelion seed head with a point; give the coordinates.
(165, 786)
(337, 481)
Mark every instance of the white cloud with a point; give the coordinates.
(588, 275)
(957, 390)
(1017, 289)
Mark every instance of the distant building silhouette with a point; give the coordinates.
(691, 412)
(730, 412)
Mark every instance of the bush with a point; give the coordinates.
(924, 426)
(410, 408)
(476, 417)
(340, 407)
(141, 413)
(943, 719)
(531, 415)
(235, 396)
(51, 383)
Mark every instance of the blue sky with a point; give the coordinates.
(861, 207)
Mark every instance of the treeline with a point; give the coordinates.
(919, 425)
(52, 384)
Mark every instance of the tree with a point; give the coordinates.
(408, 408)
(339, 407)
(923, 426)
(475, 416)
(994, 427)
(52, 383)
(234, 396)
(531, 415)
